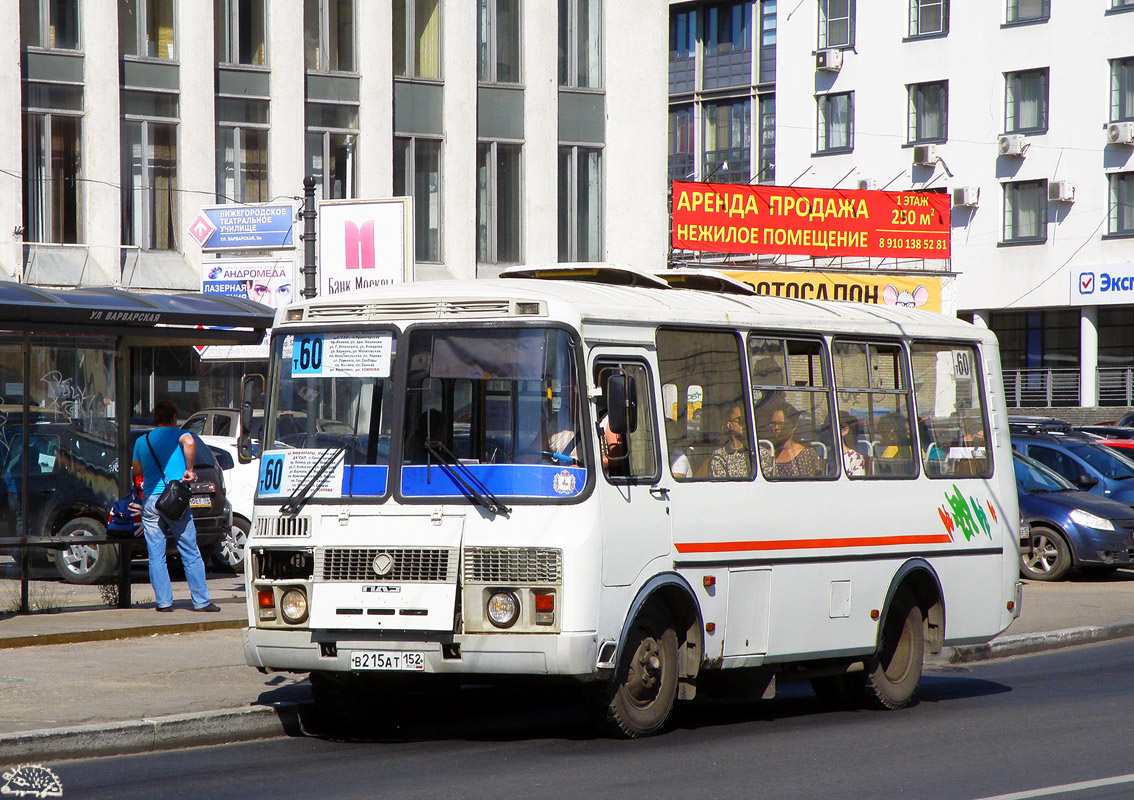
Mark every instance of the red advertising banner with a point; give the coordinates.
(783, 220)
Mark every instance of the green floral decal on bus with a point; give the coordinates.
(968, 516)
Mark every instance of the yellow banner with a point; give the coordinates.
(890, 290)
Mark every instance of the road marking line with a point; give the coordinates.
(1066, 788)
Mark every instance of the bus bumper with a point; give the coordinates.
(570, 654)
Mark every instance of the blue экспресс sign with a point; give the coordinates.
(237, 227)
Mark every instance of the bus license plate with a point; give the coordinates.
(200, 501)
(374, 660)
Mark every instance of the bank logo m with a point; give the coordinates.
(359, 244)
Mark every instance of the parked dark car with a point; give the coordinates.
(1107, 431)
(1083, 461)
(1069, 527)
(73, 481)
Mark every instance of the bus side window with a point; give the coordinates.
(631, 455)
(950, 410)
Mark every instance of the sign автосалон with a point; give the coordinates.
(782, 220)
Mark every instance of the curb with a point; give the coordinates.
(1006, 646)
(103, 634)
(157, 733)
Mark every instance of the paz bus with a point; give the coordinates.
(628, 480)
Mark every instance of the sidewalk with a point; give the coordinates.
(92, 680)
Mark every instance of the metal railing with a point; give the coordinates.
(1116, 386)
(1041, 387)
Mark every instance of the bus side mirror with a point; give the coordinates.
(622, 403)
(251, 387)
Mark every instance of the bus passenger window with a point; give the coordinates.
(873, 390)
(633, 454)
(792, 398)
(708, 426)
(950, 410)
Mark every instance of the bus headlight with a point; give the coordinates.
(502, 608)
(293, 606)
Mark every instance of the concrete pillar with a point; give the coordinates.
(102, 133)
(11, 151)
(1088, 356)
(541, 133)
(288, 90)
(458, 150)
(374, 161)
(197, 132)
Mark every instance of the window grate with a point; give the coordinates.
(513, 565)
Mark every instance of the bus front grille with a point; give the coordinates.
(513, 565)
(291, 527)
(422, 565)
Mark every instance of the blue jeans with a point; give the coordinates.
(155, 525)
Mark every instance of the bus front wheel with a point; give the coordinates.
(891, 677)
(645, 685)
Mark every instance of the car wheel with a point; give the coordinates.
(83, 563)
(1048, 557)
(228, 554)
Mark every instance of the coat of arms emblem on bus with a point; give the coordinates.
(966, 515)
(563, 483)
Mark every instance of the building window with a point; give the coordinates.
(150, 199)
(835, 129)
(928, 112)
(768, 42)
(682, 51)
(1122, 203)
(1121, 89)
(1028, 10)
(242, 150)
(836, 23)
(146, 29)
(51, 24)
(240, 27)
(1122, 3)
(417, 39)
(728, 45)
(1025, 211)
(52, 200)
(767, 171)
(498, 41)
(417, 174)
(728, 141)
(328, 35)
(580, 43)
(682, 165)
(498, 187)
(1025, 101)
(580, 203)
(332, 129)
(929, 17)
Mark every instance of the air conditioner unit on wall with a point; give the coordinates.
(966, 195)
(925, 155)
(1011, 144)
(1120, 133)
(868, 184)
(829, 60)
(1061, 191)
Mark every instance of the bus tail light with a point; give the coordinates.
(266, 600)
(544, 607)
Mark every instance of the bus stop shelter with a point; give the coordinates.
(66, 369)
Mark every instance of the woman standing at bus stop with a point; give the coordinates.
(177, 450)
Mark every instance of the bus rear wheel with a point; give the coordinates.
(645, 685)
(891, 677)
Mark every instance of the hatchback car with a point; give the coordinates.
(86, 564)
(1083, 461)
(1069, 527)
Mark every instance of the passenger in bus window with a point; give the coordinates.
(792, 459)
(733, 459)
(679, 464)
(853, 461)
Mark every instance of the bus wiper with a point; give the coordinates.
(310, 482)
(471, 486)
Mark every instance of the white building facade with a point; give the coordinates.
(1023, 110)
(519, 128)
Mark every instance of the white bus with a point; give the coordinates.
(628, 480)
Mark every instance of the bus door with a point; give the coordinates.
(634, 502)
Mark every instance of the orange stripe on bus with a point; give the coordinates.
(811, 544)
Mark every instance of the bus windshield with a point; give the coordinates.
(494, 408)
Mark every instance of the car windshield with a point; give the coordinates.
(1105, 460)
(1033, 477)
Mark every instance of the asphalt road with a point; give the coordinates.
(1007, 729)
